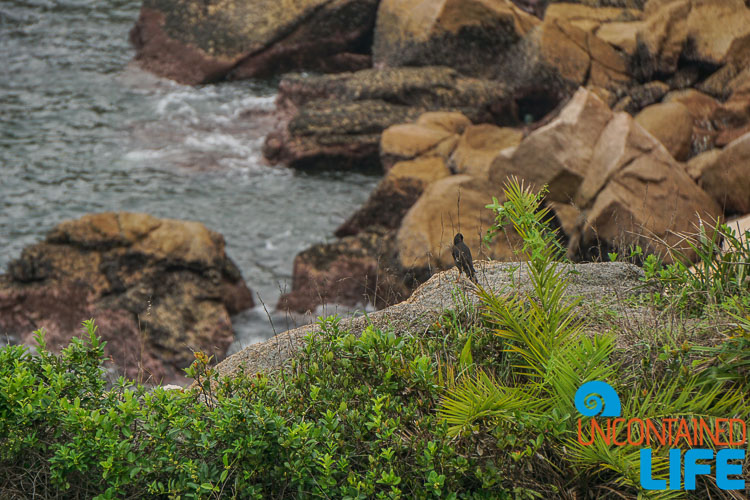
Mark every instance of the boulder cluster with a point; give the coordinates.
(634, 113)
(157, 289)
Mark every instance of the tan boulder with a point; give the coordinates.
(718, 30)
(671, 123)
(156, 287)
(478, 147)
(653, 204)
(558, 154)
(725, 175)
(408, 140)
(661, 39)
(469, 35)
(434, 133)
(450, 205)
(395, 194)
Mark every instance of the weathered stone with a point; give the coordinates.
(397, 192)
(603, 283)
(557, 155)
(717, 31)
(469, 35)
(352, 271)
(725, 175)
(450, 205)
(701, 107)
(478, 147)
(559, 57)
(661, 39)
(672, 124)
(156, 287)
(198, 42)
(653, 204)
(337, 120)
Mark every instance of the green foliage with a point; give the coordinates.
(351, 418)
(528, 410)
(720, 274)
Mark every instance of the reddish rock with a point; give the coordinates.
(196, 42)
(157, 288)
(352, 271)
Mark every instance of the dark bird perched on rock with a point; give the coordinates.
(462, 258)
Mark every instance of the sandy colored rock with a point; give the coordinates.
(672, 124)
(717, 31)
(478, 147)
(156, 287)
(194, 42)
(661, 39)
(469, 35)
(336, 121)
(725, 175)
(450, 205)
(395, 194)
(557, 154)
(408, 140)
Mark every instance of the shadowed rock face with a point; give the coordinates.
(157, 288)
(195, 42)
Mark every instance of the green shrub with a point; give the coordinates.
(351, 418)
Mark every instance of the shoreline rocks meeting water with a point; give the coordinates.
(157, 289)
(635, 114)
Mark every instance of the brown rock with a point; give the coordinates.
(450, 205)
(478, 147)
(157, 288)
(672, 124)
(352, 271)
(653, 204)
(336, 120)
(661, 40)
(409, 140)
(396, 193)
(469, 35)
(717, 31)
(725, 175)
(558, 154)
(702, 107)
(194, 42)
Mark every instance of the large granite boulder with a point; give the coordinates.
(335, 121)
(157, 288)
(629, 189)
(468, 35)
(725, 175)
(197, 41)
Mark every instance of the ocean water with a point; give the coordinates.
(83, 130)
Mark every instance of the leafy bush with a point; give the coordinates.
(352, 418)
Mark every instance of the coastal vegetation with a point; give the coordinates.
(481, 405)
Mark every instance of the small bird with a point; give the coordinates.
(462, 258)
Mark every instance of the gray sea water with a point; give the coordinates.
(83, 130)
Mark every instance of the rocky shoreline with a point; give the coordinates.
(635, 114)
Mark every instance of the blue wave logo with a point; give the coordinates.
(597, 398)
